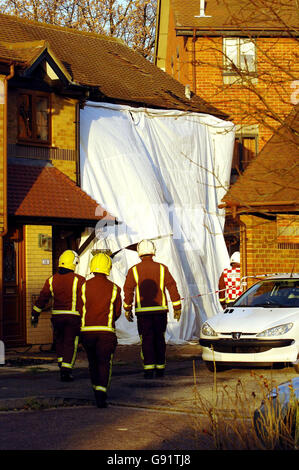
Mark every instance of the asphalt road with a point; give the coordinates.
(89, 428)
(172, 414)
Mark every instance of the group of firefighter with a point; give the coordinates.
(86, 311)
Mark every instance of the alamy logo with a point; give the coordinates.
(183, 222)
(2, 353)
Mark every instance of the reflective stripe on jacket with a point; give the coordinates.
(101, 304)
(65, 290)
(149, 280)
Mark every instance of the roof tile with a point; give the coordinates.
(103, 62)
(273, 176)
(236, 15)
(36, 191)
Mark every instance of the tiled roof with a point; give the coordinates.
(236, 15)
(273, 176)
(36, 191)
(22, 52)
(106, 63)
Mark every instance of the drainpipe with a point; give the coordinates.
(243, 246)
(78, 177)
(79, 105)
(193, 61)
(158, 14)
(3, 102)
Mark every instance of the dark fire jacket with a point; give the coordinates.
(101, 304)
(65, 289)
(149, 280)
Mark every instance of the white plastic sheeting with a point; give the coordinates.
(162, 174)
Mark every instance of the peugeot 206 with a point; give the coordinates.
(260, 328)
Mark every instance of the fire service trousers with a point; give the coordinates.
(151, 329)
(66, 331)
(99, 347)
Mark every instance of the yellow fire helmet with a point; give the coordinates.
(69, 259)
(101, 263)
(146, 247)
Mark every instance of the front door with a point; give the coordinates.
(64, 238)
(14, 311)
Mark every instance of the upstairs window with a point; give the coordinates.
(239, 55)
(34, 117)
(245, 151)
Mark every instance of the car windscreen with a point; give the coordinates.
(272, 293)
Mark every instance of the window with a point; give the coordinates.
(240, 54)
(34, 117)
(288, 231)
(271, 293)
(245, 151)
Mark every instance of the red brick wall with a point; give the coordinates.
(260, 250)
(246, 105)
(276, 68)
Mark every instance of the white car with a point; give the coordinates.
(261, 327)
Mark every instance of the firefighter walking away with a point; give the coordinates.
(148, 280)
(101, 307)
(65, 289)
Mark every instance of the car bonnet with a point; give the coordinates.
(252, 320)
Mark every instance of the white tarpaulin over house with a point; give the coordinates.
(162, 174)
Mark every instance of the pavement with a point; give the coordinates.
(178, 409)
(30, 379)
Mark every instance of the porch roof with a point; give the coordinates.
(45, 192)
(271, 179)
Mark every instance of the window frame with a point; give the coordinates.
(228, 71)
(34, 95)
(238, 167)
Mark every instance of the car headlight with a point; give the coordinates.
(277, 330)
(207, 330)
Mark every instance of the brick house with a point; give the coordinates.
(265, 201)
(46, 75)
(239, 55)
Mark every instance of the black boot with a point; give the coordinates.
(66, 375)
(101, 398)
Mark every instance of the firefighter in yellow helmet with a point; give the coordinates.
(64, 288)
(101, 308)
(149, 280)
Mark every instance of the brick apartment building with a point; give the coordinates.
(46, 75)
(242, 57)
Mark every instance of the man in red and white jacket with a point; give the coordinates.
(230, 281)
